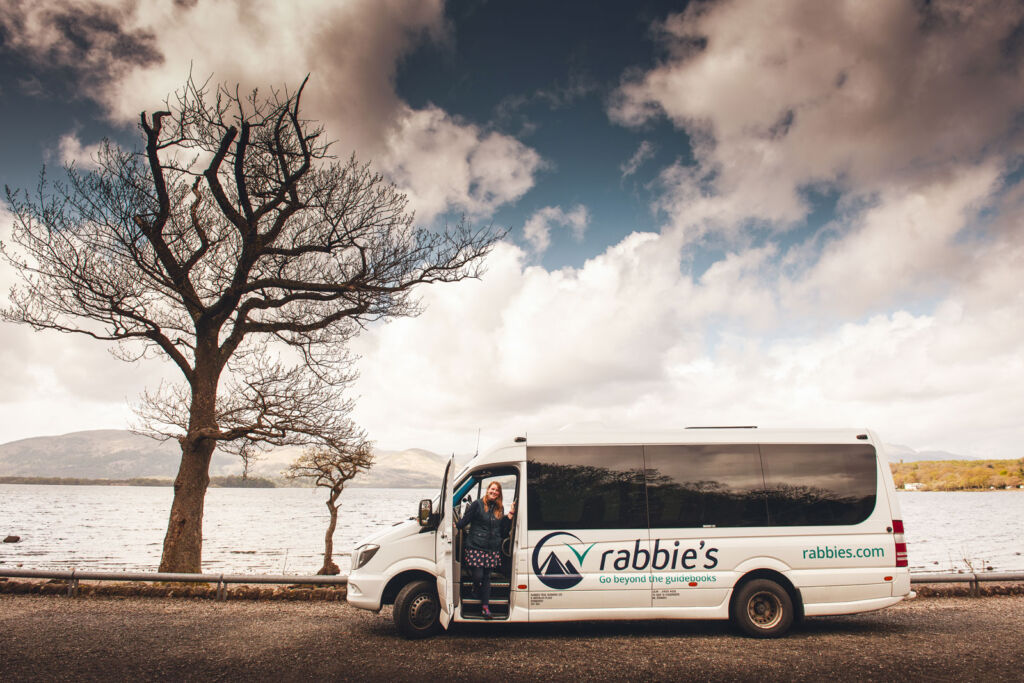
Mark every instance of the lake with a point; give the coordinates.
(278, 531)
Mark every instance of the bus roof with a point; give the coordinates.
(697, 435)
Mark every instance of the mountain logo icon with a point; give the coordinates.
(553, 572)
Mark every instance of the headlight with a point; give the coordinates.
(363, 554)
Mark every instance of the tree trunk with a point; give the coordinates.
(330, 568)
(183, 544)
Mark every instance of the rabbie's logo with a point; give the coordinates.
(553, 572)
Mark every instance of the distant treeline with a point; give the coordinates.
(235, 482)
(959, 475)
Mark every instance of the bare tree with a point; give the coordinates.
(234, 245)
(248, 456)
(332, 468)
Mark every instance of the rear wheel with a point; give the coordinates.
(762, 609)
(417, 610)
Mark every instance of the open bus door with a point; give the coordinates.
(443, 555)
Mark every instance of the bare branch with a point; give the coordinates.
(235, 246)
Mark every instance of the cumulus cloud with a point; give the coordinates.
(96, 40)
(72, 151)
(537, 229)
(352, 47)
(909, 245)
(903, 313)
(859, 95)
(630, 341)
(130, 55)
(446, 164)
(521, 341)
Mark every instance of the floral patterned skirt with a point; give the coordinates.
(488, 559)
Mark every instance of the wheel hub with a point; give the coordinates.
(422, 611)
(765, 610)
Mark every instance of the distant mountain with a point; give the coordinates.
(97, 454)
(121, 454)
(411, 468)
(899, 453)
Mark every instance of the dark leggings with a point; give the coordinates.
(482, 578)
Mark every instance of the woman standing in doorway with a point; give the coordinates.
(488, 526)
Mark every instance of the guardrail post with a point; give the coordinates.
(975, 588)
(222, 588)
(72, 585)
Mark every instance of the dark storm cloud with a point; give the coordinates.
(93, 29)
(127, 56)
(93, 41)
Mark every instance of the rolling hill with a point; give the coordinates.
(121, 454)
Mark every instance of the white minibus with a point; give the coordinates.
(761, 527)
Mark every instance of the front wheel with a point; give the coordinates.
(762, 609)
(417, 610)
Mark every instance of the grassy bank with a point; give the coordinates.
(960, 475)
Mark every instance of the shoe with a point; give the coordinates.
(487, 612)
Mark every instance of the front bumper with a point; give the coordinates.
(365, 590)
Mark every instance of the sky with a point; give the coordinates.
(785, 214)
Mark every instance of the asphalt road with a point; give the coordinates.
(104, 638)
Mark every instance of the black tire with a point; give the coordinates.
(417, 610)
(762, 609)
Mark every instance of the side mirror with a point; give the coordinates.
(425, 512)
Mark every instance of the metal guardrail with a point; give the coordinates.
(72, 576)
(960, 577)
(973, 578)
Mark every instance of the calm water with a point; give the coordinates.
(258, 531)
(273, 531)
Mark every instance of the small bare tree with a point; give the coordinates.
(332, 468)
(235, 246)
(249, 454)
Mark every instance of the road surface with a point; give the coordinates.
(99, 638)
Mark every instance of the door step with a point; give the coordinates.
(494, 584)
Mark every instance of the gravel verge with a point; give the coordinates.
(102, 637)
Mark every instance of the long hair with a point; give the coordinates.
(499, 505)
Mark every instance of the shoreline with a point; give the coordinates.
(139, 589)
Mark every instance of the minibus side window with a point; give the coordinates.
(718, 485)
(810, 485)
(586, 487)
